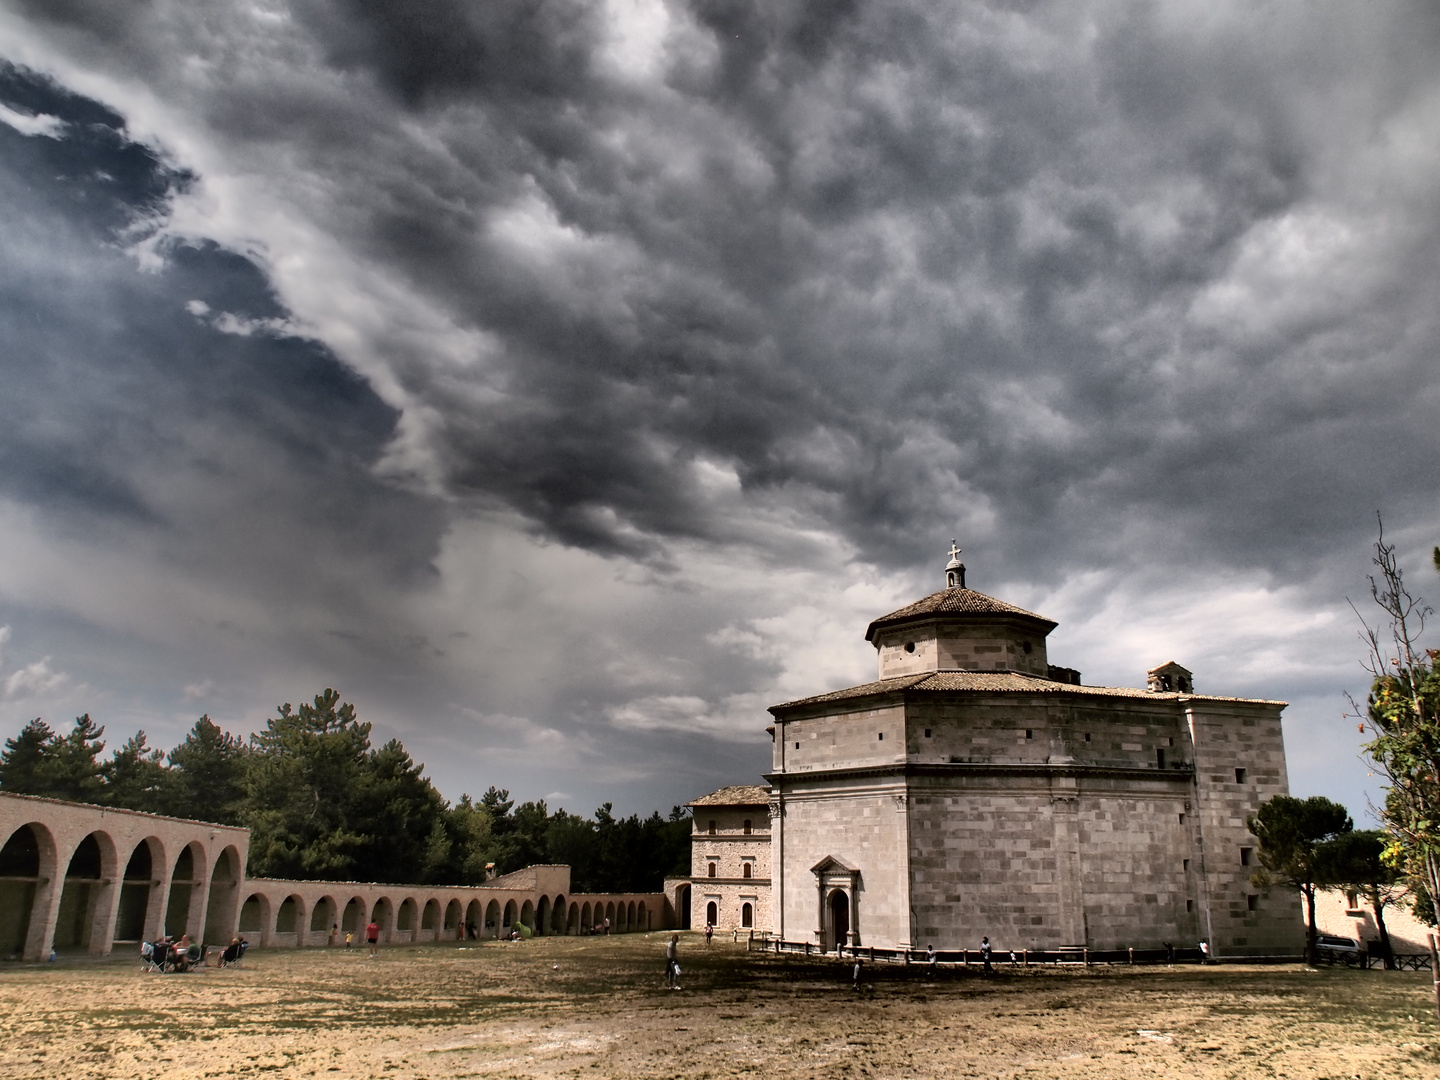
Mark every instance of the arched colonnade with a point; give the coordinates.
(85, 878)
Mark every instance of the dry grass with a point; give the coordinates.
(596, 1007)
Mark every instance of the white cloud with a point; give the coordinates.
(31, 681)
(52, 127)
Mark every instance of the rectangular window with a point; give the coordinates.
(1245, 854)
(1239, 776)
(797, 746)
(1087, 736)
(1252, 902)
(1172, 740)
(1185, 864)
(879, 736)
(1029, 734)
(1160, 756)
(927, 733)
(1352, 900)
(1189, 905)
(1182, 819)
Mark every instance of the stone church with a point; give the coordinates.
(976, 789)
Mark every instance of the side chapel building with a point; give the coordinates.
(976, 789)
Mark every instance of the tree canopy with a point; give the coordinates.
(322, 802)
(1292, 834)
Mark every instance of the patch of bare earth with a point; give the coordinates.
(597, 1007)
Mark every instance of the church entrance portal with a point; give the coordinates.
(837, 933)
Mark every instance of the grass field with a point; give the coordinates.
(597, 1007)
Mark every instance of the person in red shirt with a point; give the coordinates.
(372, 935)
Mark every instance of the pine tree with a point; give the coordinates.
(73, 768)
(207, 775)
(135, 777)
(22, 762)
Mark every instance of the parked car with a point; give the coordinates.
(1346, 950)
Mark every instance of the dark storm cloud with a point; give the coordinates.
(1138, 297)
(119, 391)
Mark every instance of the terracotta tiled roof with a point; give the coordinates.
(995, 682)
(955, 602)
(736, 795)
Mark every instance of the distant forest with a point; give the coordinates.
(322, 803)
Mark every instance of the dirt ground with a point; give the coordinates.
(597, 1007)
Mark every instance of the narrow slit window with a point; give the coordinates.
(1252, 902)
(1246, 854)
(879, 736)
(1240, 776)
(1160, 756)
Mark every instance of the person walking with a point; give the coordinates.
(930, 961)
(372, 936)
(985, 954)
(709, 933)
(857, 974)
(334, 934)
(672, 962)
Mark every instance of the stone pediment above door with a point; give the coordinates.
(833, 864)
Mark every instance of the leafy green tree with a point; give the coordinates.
(72, 766)
(1403, 716)
(207, 775)
(23, 760)
(136, 777)
(304, 768)
(1354, 861)
(1291, 832)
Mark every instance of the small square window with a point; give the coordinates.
(1252, 902)
(1087, 736)
(1029, 734)
(1239, 776)
(1245, 855)
(927, 733)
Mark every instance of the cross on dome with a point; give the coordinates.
(954, 569)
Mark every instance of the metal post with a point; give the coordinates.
(1026, 954)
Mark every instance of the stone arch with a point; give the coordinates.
(747, 915)
(682, 906)
(474, 920)
(453, 911)
(430, 916)
(186, 901)
(572, 919)
(27, 882)
(222, 912)
(610, 913)
(382, 914)
(351, 918)
(290, 917)
(526, 917)
(405, 919)
(586, 923)
(254, 917)
(542, 915)
(138, 914)
(325, 917)
(630, 915)
(507, 920)
(557, 915)
(712, 913)
(87, 899)
(642, 917)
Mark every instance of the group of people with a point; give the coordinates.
(169, 954)
(372, 937)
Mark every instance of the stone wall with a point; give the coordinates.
(740, 858)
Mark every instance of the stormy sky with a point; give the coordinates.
(565, 381)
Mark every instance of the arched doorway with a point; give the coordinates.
(221, 914)
(182, 899)
(353, 917)
(747, 915)
(838, 908)
(430, 916)
(452, 917)
(557, 915)
(473, 916)
(542, 915)
(682, 903)
(527, 916)
(492, 919)
(82, 905)
(325, 917)
(135, 895)
(291, 917)
(712, 914)
(19, 879)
